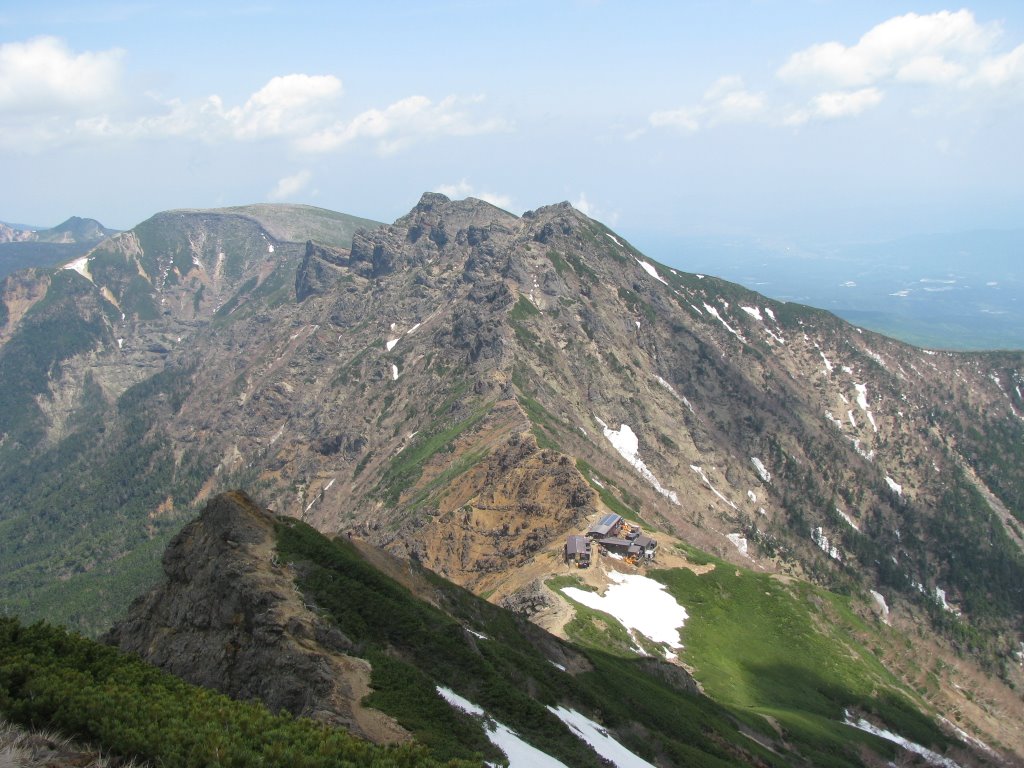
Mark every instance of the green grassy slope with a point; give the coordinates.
(783, 658)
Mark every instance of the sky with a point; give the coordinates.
(824, 119)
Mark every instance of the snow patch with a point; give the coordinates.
(762, 471)
(391, 344)
(738, 541)
(752, 496)
(120, 343)
(717, 493)
(650, 270)
(614, 239)
(394, 372)
(519, 753)
(818, 537)
(847, 518)
(754, 312)
(768, 311)
(81, 266)
(882, 605)
(932, 757)
(625, 441)
(638, 603)
(597, 737)
(714, 312)
(940, 598)
(896, 487)
(862, 401)
(828, 364)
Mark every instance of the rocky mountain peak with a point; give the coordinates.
(228, 616)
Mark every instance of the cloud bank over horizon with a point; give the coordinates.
(718, 122)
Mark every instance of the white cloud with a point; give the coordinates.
(684, 119)
(935, 43)
(402, 123)
(837, 104)
(1007, 69)
(289, 186)
(50, 95)
(585, 206)
(933, 70)
(43, 75)
(463, 189)
(726, 101)
(286, 105)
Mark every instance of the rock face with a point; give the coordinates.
(321, 267)
(229, 617)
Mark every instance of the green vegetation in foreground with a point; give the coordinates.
(50, 678)
(413, 646)
(761, 648)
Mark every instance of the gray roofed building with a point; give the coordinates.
(604, 526)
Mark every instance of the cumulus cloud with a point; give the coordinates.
(936, 46)
(289, 186)
(43, 75)
(898, 61)
(51, 95)
(285, 105)
(463, 189)
(836, 104)
(402, 123)
(998, 71)
(726, 101)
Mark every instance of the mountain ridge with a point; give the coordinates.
(465, 387)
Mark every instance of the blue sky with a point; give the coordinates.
(834, 121)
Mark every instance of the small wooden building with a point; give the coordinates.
(577, 550)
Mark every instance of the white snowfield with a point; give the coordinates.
(718, 493)
(625, 441)
(519, 753)
(882, 605)
(81, 266)
(762, 471)
(650, 270)
(598, 738)
(932, 757)
(738, 541)
(522, 755)
(640, 604)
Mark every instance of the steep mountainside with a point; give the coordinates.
(465, 387)
(265, 608)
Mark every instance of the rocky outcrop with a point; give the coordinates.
(228, 616)
(321, 267)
